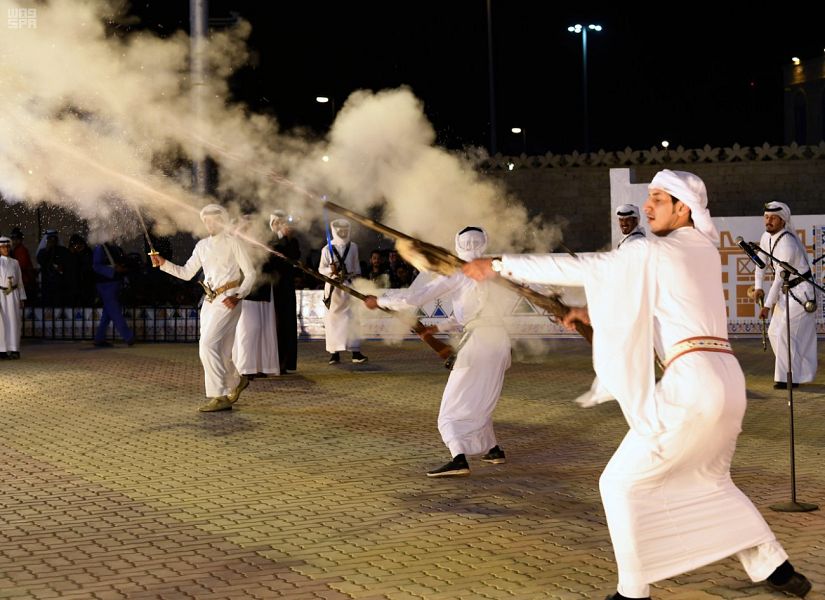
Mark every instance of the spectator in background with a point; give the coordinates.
(286, 316)
(20, 253)
(378, 270)
(79, 275)
(110, 269)
(53, 259)
(12, 299)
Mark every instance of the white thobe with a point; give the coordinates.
(256, 339)
(803, 324)
(11, 305)
(670, 503)
(223, 260)
(597, 394)
(340, 320)
(465, 419)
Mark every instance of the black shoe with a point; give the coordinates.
(102, 344)
(798, 585)
(618, 596)
(457, 467)
(495, 456)
(334, 358)
(14, 355)
(781, 385)
(358, 358)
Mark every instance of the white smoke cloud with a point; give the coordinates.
(87, 117)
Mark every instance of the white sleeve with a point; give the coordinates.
(412, 297)
(759, 272)
(553, 269)
(250, 274)
(187, 271)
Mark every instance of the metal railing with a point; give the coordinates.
(149, 323)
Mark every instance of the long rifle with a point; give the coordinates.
(437, 259)
(444, 351)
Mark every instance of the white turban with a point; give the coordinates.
(4, 241)
(781, 210)
(690, 189)
(275, 216)
(628, 210)
(215, 210)
(340, 231)
(470, 243)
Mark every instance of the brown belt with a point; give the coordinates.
(697, 344)
(212, 294)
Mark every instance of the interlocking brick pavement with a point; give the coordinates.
(112, 485)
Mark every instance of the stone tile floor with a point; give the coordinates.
(112, 485)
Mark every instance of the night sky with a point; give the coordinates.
(680, 73)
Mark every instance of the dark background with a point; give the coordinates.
(686, 73)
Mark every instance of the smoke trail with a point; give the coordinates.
(87, 116)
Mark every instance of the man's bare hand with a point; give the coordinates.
(231, 302)
(763, 314)
(574, 315)
(157, 260)
(371, 302)
(755, 294)
(479, 269)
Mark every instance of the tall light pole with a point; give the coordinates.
(491, 79)
(582, 29)
(198, 31)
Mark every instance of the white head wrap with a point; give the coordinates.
(470, 243)
(337, 226)
(5, 241)
(49, 233)
(781, 210)
(690, 189)
(275, 216)
(627, 210)
(215, 210)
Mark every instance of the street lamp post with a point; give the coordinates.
(523, 132)
(582, 29)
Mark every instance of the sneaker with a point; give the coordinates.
(457, 467)
(236, 393)
(358, 358)
(798, 585)
(495, 456)
(334, 358)
(216, 404)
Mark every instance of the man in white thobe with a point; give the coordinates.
(670, 503)
(339, 260)
(12, 299)
(780, 240)
(255, 351)
(465, 419)
(228, 276)
(628, 216)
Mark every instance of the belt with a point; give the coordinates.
(211, 294)
(697, 344)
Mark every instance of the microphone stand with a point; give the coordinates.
(787, 270)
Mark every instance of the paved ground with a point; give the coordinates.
(113, 486)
